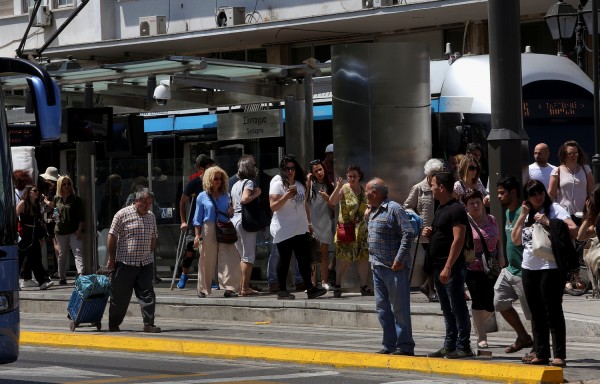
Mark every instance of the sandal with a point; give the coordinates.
(366, 291)
(517, 346)
(558, 363)
(538, 361)
(528, 357)
(483, 344)
(248, 292)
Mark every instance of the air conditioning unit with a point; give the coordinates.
(228, 16)
(366, 4)
(153, 25)
(43, 17)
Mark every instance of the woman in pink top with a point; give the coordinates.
(480, 285)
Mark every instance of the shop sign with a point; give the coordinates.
(250, 125)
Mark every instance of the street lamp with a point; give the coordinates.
(561, 19)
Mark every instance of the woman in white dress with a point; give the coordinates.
(319, 189)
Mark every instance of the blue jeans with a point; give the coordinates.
(454, 307)
(392, 304)
(272, 267)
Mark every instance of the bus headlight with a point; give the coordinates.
(9, 301)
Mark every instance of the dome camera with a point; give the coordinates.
(162, 93)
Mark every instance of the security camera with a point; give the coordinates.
(162, 93)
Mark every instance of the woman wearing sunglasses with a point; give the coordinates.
(69, 226)
(32, 232)
(469, 171)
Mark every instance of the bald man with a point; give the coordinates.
(540, 169)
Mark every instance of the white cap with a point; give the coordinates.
(329, 148)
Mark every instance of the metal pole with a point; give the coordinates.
(507, 141)
(596, 157)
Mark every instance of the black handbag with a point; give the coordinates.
(225, 231)
(254, 217)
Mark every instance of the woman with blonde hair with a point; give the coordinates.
(214, 202)
(469, 171)
(69, 226)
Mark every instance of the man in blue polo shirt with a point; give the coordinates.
(390, 237)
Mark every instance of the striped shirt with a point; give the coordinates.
(390, 235)
(134, 234)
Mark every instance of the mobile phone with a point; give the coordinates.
(293, 188)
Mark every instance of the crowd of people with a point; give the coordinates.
(463, 242)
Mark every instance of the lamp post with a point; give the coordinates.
(561, 19)
(590, 15)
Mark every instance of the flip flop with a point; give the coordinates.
(528, 357)
(537, 361)
(558, 363)
(517, 346)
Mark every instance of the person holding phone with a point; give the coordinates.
(290, 225)
(319, 188)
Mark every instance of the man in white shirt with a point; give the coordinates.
(540, 169)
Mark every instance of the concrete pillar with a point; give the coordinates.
(85, 189)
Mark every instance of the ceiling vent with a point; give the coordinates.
(228, 16)
(366, 4)
(153, 25)
(43, 17)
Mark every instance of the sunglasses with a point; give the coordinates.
(66, 184)
(315, 162)
(472, 168)
(289, 169)
(34, 190)
(218, 178)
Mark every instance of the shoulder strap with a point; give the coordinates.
(360, 198)
(476, 228)
(216, 207)
(558, 175)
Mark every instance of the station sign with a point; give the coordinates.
(250, 125)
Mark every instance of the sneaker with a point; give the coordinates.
(285, 295)
(215, 285)
(383, 351)
(440, 353)
(182, 281)
(327, 287)
(28, 284)
(315, 292)
(150, 328)
(459, 354)
(46, 285)
(62, 282)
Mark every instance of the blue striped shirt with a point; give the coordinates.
(390, 235)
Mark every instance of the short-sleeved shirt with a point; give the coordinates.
(290, 220)
(134, 234)
(71, 214)
(205, 209)
(460, 189)
(541, 173)
(236, 198)
(530, 261)
(514, 253)
(446, 217)
(192, 190)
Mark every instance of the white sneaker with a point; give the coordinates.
(46, 285)
(327, 287)
(28, 284)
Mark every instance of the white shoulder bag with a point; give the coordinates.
(542, 246)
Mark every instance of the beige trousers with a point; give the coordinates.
(224, 256)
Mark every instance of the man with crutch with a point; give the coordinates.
(190, 192)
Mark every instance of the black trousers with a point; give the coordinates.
(544, 293)
(300, 246)
(30, 260)
(126, 279)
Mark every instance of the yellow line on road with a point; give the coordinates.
(466, 368)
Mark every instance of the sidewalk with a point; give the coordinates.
(340, 332)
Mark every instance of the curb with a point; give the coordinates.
(465, 368)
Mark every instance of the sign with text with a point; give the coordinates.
(23, 135)
(250, 125)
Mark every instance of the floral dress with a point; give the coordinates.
(349, 205)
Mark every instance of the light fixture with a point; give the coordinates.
(561, 19)
(587, 16)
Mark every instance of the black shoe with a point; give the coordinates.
(228, 293)
(62, 282)
(150, 328)
(459, 354)
(366, 291)
(400, 352)
(285, 295)
(440, 353)
(114, 328)
(201, 295)
(315, 292)
(383, 351)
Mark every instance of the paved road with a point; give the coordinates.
(583, 362)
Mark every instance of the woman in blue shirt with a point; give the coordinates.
(215, 182)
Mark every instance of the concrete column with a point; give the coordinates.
(298, 141)
(85, 189)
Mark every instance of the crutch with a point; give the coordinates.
(181, 247)
(180, 250)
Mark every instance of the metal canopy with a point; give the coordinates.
(196, 82)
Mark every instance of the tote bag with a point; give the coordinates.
(542, 246)
(254, 217)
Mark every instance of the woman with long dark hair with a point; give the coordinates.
(591, 213)
(290, 225)
(319, 189)
(541, 276)
(32, 232)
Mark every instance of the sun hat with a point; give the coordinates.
(51, 174)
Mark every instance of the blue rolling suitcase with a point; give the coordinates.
(88, 301)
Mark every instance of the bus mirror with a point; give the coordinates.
(48, 116)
